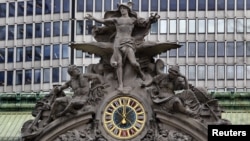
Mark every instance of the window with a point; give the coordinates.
(115, 2)
(220, 4)
(182, 24)
(28, 55)
(10, 55)
(57, 6)
(202, 5)
(240, 4)
(248, 25)
(39, 5)
(47, 29)
(46, 75)
(38, 53)
(230, 25)
(64, 75)
(191, 72)
(220, 49)
(37, 76)
(107, 5)
(38, 30)
(210, 28)
(65, 51)
(55, 75)
(56, 51)
(11, 9)
(98, 5)
(89, 25)
(240, 72)
(210, 49)
(29, 11)
(183, 5)
(192, 5)
(89, 5)
(2, 10)
(163, 26)
(56, 28)
(230, 72)
(230, 4)
(80, 5)
(11, 32)
(47, 7)
(46, 52)
(211, 5)
(221, 26)
(79, 54)
(79, 27)
(2, 55)
(173, 5)
(19, 54)
(66, 5)
(201, 49)
(248, 4)
(230, 49)
(65, 28)
(248, 48)
(202, 25)
(173, 53)
(210, 72)
(2, 32)
(29, 31)
(172, 26)
(239, 49)
(191, 49)
(163, 5)
(20, 9)
(19, 77)
(221, 72)
(182, 50)
(20, 31)
(154, 28)
(9, 78)
(154, 5)
(144, 5)
(182, 70)
(28, 76)
(240, 25)
(248, 72)
(201, 72)
(2, 78)
(191, 26)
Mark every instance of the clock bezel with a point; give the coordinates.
(132, 127)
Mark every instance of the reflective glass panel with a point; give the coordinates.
(182, 24)
(230, 25)
(230, 4)
(230, 72)
(221, 26)
(56, 52)
(11, 32)
(28, 76)
(56, 28)
(240, 25)
(11, 9)
(182, 50)
(239, 49)
(79, 27)
(163, 26)
(57, 6)
(220, 4)
(210, 49)
(38, 53)
(28, 54)
(65, 28)
(46, 52)
(38, 30)
(172, 26)
(210, 26)
(10, 55)
(29, 10)
(29, 31)
(192, 5)
(191, 49)
(144, 5)
(201, 49)
(66, 5)
(191, 26)
(210, 72)
(19, 77)
(89, 5)
(65, 51)
(9, 78)
(2, 9)
(240, 4)
(183, 5)
(230, 49)
(191, 73)
(20, 31)
(154, 5)
(98, 5)
(19, 54)
(221, 72)
(46, 75)
(39, 5)
(221, 49)
(2, 55)
(47, 29)
(55, 75)
(173, 5)
(211, 5)
(163, 5)
(47, 7)
(202, 25)
(37, 76)
(201, 72)
(240, 72)
(20, 9)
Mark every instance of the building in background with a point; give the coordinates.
(35, 36)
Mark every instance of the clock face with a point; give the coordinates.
(124, 118)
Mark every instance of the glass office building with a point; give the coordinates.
(35, 36)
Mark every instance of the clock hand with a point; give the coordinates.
(124, 112)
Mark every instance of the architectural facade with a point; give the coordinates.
(35, 39)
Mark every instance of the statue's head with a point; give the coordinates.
(73, 70)
(127, 5)
(174, 71)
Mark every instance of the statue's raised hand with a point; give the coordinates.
(154, 17)
(89, 17)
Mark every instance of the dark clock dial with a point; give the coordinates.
(124, 118)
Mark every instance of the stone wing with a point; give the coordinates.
(102, 49)
(153, 48)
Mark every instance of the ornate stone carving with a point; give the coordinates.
(126, 96)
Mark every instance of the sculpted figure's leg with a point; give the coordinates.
(134, 63)
(116, 62)
(178, 105)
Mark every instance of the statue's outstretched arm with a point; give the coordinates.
(90, 17)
